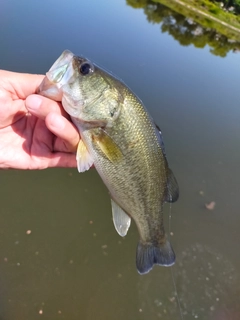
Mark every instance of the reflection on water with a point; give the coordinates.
(185, 29)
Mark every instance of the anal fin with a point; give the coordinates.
(121, 220)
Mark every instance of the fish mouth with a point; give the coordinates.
(64, 58)
(58, 75)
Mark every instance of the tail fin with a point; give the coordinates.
(148, 255)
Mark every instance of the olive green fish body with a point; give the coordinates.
(121, 140)
(138, 181)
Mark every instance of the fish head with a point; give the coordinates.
(87, 92)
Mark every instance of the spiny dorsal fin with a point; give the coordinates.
(160, 139)
(173, 189)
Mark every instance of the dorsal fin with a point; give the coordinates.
(172, 185)
(160, 139)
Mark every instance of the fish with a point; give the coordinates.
(121, 140)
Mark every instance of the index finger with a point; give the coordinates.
(20, 84)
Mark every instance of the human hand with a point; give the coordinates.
(35, 132)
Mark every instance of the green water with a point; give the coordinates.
(60, 257)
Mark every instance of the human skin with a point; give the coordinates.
(35, 132)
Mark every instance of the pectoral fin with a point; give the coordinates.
(173, 190)
(83, 157)
(108, 146)
(121, 220)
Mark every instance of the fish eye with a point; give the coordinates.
(86, 68)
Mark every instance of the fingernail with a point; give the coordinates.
(33, 102)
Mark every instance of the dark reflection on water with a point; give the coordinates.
(185, 30)
(73, 265)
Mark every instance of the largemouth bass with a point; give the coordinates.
(120, 138)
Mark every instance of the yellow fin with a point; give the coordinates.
(83, 157)
(108, 146)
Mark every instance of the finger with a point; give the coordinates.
(23, 84)
(63, 129)
(41, 106)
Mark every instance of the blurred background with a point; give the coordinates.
(60, 257)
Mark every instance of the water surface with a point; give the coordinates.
(74, 265)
